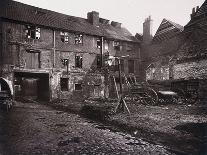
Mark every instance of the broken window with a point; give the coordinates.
(64, 36)
(117, 45)
(78, 86)
(78, 39)
(78, 61)
(32, 32)
(64, 84)
(65, 62)
(98, 43)
(131, 66)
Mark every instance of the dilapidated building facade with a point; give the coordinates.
(177, 53)
(51, 55)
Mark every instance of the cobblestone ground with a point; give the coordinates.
(37, 129)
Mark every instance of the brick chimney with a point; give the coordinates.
(147, 30)
(93, 18)
(116, 24)
(194, 10)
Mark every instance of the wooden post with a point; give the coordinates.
(117, 93)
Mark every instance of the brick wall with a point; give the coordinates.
(195, 69)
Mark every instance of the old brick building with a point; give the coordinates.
(51, 55)
(179, 53)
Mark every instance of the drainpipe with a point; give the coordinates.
(53, 48)
(102, 49)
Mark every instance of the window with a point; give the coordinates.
(64, 84)
(131, 66)
(78, 61)
(117, 45)
(98, 61)
(98, 43)
(78, 39)
(65, 62)
(106, 44)
(64, 37)
(33, 32)
(78, 86)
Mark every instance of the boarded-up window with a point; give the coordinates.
(131, 66)
(32, 59)
(64, 84)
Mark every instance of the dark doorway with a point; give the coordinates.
(32, 85)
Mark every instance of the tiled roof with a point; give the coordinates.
(29, 14)
(200, 14)
(167, 30)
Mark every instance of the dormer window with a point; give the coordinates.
(64, 36)
(78, 39)
(117, 45)
(32, 32)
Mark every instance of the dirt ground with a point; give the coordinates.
(181, 128)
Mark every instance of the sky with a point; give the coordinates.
(131, 13)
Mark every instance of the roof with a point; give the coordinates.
(200, 13)
(167, 30)
(17, 11)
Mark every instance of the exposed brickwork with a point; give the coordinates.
(15, 52)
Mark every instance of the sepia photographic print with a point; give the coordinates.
(103, 77)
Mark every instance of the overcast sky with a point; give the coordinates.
(131, 13)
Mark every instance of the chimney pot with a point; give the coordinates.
(116, 24)
(93, 18)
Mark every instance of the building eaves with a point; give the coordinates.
(17, 11)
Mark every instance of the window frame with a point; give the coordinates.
(33, 32)
(81, 85)
(117, 45)
(78, 39)
(78, 64)
(98, 43)
(64, 37)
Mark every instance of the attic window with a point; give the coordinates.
(98, 43)
(64, 36)
(78, 39)
(117, 45)
(32, 32)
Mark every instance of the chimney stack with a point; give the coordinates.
(194, 10)
(93, 18)
(147, 30)
(116, 24)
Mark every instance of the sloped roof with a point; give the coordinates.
(200, 14)
(167, 30)
(29, 14)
